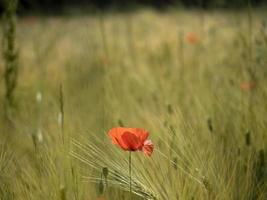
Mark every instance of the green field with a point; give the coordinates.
(195, 80)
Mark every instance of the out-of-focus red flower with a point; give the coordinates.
(30, 20)
(104, 61)
(247, 85)
(132, 139)
(192, 38)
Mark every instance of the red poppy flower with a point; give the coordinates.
(192, 38)
(132, 139)
(247, 85)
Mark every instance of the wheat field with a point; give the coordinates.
(196, 80)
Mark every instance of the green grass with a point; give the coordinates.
(138, 69)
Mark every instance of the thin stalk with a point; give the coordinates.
(250, 67)
(103, 34)
(61, 104)
(130, 173)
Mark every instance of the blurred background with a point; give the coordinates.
(191, 72)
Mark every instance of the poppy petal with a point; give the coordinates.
(142, 134)
(133, 143)
(131, 139)
(121, 144)
(148, 147)
(115, 135)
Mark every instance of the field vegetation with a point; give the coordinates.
(196, 80)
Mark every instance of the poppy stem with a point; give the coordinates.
(130, 173)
